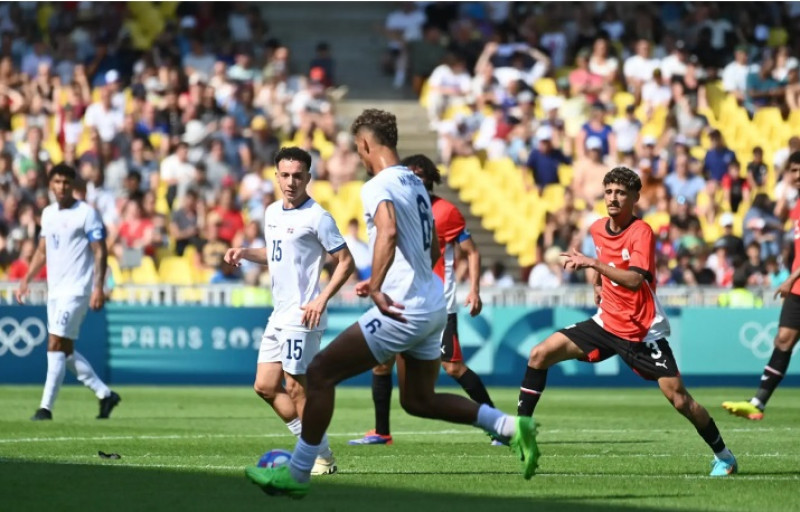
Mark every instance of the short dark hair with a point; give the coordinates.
(740, 277)
(430, 173)
(794, 158)
(64, 170)
(294, 153)
(625, 177)
(382, 124)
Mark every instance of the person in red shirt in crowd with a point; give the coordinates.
(789, 323)
(231, 219)
(19, 268)
(629, 322)
(136, 230)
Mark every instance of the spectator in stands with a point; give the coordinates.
(402, 27)
(735, 187)
(597, 127)
(547, 274)
(656, 92)
(734, 76)
(583, 81)
(762, 226)
(176, 171)
(360, 251)
(762, 89)
(757, 169)
(185, 223)
(639, 68)
(19, 267)
(754, 266)
(135, 231)
(497, 277)
(691, 123)
(589, 172)
(683, 268)
(674, 65)
(775, 272)
(265, 144)
(235, 150)
(718, 158)
(626, 130)
(343, 164)
(602, 63)
(448, 84)
(104, 116)
(426, 54)
(198, 60)
(733, 244)
(544, 161)
(682, 182)
(213, 249)
(230, 218)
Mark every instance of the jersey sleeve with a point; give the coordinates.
(452, 227)
(642, 252)
(94, 228)
(329, 235)
(373, 194)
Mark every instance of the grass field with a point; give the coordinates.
(185, 449)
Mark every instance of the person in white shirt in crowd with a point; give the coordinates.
(627, 130)
(176, 171)
(72, 244)
(638, 68)
(104, 116)
(198, 60)
(547, 274)
(674, 65)
(601, 62)
(734, 75)
(448, 84)
(402, 26)
(496, 276)
(657, 92)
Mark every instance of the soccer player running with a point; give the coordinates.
(72, 244)
(452, 230)
(629, 322)
(404, 246)
(299, 233)
(788, 325)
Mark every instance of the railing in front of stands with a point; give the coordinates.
(225, 295)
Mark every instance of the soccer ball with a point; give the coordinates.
(274, 459)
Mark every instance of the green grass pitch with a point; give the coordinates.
(185, 449)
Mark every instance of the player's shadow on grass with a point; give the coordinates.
(87, 488)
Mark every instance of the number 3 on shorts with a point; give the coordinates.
(653, 346)
(294, 349)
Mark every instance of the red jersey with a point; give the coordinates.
(634, 316)
(451, 230)
(795, 216)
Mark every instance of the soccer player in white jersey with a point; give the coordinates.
(404, 245)
(299, 233)
(73, 245)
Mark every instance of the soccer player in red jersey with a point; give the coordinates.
(452, 231)
(629, 322)
(788, 325)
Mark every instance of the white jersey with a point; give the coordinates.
(70, 261)
(297, 240)
(410, 280)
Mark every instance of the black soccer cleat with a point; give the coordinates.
(42, 414)
(107, 404)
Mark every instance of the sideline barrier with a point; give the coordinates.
(218, 345)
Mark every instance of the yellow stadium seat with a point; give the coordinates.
(120, 277)
(553, 197)
(462, 171)
(321, 191)
(175, 270)
(545, 87)
(622, 99)
(145, 273)
(190, 254)
(423, 94)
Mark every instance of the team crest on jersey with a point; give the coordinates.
(625, 255)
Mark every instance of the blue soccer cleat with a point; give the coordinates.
(720, 467)
(372, 437)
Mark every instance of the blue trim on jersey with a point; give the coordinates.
(298, 206)
(337, 249)
(464, 235)
(97, 235)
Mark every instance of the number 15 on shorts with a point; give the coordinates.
(294, 350)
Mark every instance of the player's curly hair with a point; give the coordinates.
(64, 170)
(293, 153)
(382, 124)
(625, 177)
(430, 173)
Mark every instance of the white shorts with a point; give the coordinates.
(293, 349)
(420, 337)
(65, 315)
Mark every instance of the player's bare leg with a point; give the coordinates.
(556, 348)
(675, 391)
(775, 369)
(269, 386)
(296, 389)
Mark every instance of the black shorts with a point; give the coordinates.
(451, 348)
(790, 312)
(650, 360)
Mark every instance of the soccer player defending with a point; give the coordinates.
(299, 233)
(72, 244)
(629, 322)
(788, 325)
(452, 231)
(404, 245)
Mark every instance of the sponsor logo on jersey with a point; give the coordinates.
(626, 256)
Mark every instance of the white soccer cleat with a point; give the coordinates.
(323, 466)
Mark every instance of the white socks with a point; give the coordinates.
(80, 367)
(496, 421)
(296, 427)
(56, 369)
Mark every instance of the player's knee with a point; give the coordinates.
(266, 391)
(785, 340)
(383, 369)
(318, 376)
(681, 401)
(538, 358)
(414, 406)
(455, 370)
(294, 389)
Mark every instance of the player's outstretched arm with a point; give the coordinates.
(100, 253)
(345, 266)
(474, 264)
(234, 256)
(626, 278)
(37, 262)
(382, 258)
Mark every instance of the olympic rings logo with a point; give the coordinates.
(758, 338)
(20, 338)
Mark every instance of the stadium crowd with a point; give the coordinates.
(172, 112)
(567, 91)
